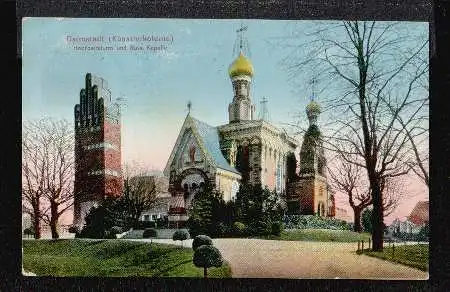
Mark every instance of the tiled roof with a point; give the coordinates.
(177, 202)
(419, 215)
(210, 137)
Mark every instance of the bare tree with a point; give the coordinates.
(418, 140)
(59, 171)
(48, 171)
(348, 179)
(351, 179)
(140, 191)
(33, 173)
(375, 72)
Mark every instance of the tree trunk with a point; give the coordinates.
(205, 272)
(377, 218)
(357, 227)
(54, 220)
(37, 222)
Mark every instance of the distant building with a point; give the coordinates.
(418, 217)
(160, 209)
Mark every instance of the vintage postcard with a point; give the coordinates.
(225, 148)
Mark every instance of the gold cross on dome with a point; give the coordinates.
(240, 31)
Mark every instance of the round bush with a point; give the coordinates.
(116, 230)
(149, 232)
(200, 240)
(180, 235)
(239, 228)
(277, 227)
(207, 256)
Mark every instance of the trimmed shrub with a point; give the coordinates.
(239, 228)
(277, 227)
(207, 256)
(150, 233)
(200, 240)
(314, 222)
(180, 235)
(116, 230)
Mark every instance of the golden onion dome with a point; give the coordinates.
(313, 107)
(241, 66)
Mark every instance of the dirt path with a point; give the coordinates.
(255, 258)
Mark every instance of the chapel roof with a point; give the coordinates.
(211, 141)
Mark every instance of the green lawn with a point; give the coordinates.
(415, 256)
(321, 235)
(77, 257)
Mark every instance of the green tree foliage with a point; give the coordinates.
(424, 232)
(101, 219)
(210, 214)
(200, 240)
(277, 227)
(207, 256)
(367, 220)
(239, 228)
(257, 208)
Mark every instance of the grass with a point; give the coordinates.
(321, 235)
(415, 256)
(78, 257)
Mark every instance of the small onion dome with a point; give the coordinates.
(241, 66)
(313, 107)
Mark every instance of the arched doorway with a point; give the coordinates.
(191, 181)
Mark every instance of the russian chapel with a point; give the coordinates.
(247, 150)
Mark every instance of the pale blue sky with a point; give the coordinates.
(156, 86)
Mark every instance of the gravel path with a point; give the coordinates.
(257, 258)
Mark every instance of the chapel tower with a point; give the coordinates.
(97, 148)
(310, 194)
(241, 73)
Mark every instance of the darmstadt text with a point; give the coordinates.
(118, 38)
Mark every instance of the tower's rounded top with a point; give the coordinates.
(241, 66)
(313, 107)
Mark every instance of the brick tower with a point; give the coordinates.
(97, 148)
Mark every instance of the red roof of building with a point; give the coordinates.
(419, 215)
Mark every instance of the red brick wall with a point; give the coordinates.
(112, 158)
(98, 159)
